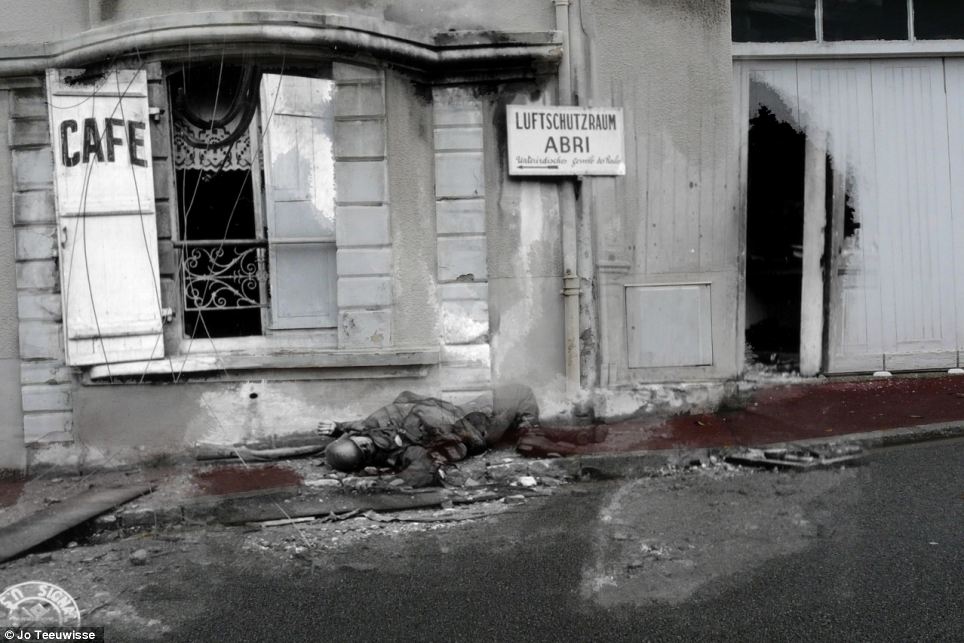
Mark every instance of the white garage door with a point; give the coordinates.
(896, 140)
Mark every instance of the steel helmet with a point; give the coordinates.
(344, 455)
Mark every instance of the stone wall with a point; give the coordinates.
(362, 213)
(44, 377)
(12, 454)
(462, 250)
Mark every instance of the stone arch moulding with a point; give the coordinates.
(439, 54)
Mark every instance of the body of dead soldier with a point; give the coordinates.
(416, 435)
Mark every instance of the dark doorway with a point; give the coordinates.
(774, 241)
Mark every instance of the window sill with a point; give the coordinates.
(177, 365)
(846, 49)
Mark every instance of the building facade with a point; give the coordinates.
(228, 221)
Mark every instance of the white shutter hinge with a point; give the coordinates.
(167, 314)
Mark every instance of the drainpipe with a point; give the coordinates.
(567, 210)
(585, 262)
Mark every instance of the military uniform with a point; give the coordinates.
(415, 435)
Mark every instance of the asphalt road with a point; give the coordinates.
(884, 565)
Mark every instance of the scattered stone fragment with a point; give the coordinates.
(285, 521)
(455, 477)
(360, 483)
(507, 471)
(514, 500)
(323, 482)
(377, 517)
(139, 557)
(527, 481)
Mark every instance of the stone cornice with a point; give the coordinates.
(303, 35)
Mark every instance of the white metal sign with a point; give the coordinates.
(546, 141)
(102, 146)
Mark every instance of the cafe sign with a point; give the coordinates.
(101, 143)
(561, 141)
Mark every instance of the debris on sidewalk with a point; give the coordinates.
(139, 557)
(284, 522)
(798, 458)
(526, 481)
(482, 510)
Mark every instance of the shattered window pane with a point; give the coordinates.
(938, 19)
(864, 20)
(774, 20)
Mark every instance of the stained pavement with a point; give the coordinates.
(791, 413)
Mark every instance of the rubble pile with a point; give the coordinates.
(799, 458)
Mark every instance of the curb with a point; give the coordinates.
(637, 464)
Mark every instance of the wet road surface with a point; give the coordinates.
(884, 565)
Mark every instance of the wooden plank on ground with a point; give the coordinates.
(43, 525)
(234, 513)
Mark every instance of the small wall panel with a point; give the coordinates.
(669, 325)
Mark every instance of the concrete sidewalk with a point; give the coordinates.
(867, 412)
(818, 410)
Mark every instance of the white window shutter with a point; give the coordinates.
(297, 117)
(104, 188)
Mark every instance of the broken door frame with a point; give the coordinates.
(812, 313)
(821, 325)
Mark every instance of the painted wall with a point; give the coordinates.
(129, 422)
(525, 262)
(411, 172)
(30, 22)
(12, 455)
(520, 15)
(673, 219)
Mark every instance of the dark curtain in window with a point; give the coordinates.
(864, 20)
(938, 19)
(774, 20)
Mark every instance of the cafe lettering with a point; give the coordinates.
(100, 140)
